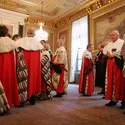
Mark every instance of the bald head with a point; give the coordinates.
(114, 35)
(59, 43)
(30, 32)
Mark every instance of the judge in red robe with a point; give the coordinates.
(114, 69)
(45, 72)
(8, 68)
(31, 50)
(86, 83)
(60, 70)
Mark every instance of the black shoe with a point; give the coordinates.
(83, 93)
(101, 93)
(58, 95)
(124, 113)
(123, 103)
(103, 97)
(111, 103)
(63, 93)
(122, 106)
(32, 100)
(19, 106)
(5, 113)
(87, 95)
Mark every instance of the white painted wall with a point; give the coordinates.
(14, 19)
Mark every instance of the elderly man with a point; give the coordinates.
(31, 50)
(60, 70)
(86, 83)
(114, 68)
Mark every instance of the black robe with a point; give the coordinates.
(100, 64)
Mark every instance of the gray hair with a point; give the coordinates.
(117, 32)
(31, 33)
(47, 46)
(62, 41)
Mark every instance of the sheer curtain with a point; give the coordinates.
(79, 41)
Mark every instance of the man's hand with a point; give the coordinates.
(110, 55)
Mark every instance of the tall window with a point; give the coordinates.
(79, 43)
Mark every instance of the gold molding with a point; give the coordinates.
(108, 10)
(94, 17)
(87, 10)
(35, 21)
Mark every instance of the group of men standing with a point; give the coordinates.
(28, 71)
(110, 69)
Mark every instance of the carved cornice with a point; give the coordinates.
(98, 4)
(86, 10)
(35, 21)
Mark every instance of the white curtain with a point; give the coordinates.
(79, 40)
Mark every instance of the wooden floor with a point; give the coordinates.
(72, 109)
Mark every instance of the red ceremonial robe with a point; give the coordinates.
(60, 71)
(60, 87)
(8, 77)
(122, 89)
(113, 81)
(86, 83)
(34, 77)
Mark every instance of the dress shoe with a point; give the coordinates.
(103, 97)
(5, 113)
(58, 95)
(122, 106)
(32, 100)
(111, 103)
(19, 106)
(87, 95)
(101, 93)
(123, 102)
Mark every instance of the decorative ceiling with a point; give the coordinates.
(52, 9)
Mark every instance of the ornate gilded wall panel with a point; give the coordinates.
(103, 25)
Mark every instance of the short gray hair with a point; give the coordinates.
(117, 32)
(62, 41)
(30, 32)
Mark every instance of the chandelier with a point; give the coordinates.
(41, 34)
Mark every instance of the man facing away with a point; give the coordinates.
(86, 83)
(7, 68)
(45, 72)
(114, 68)
(31, 50)
(60, 70)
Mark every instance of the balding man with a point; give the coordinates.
(114, 68)
(60, 69)
(31, 50)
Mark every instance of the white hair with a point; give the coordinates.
(62, 41)
(117, 32)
